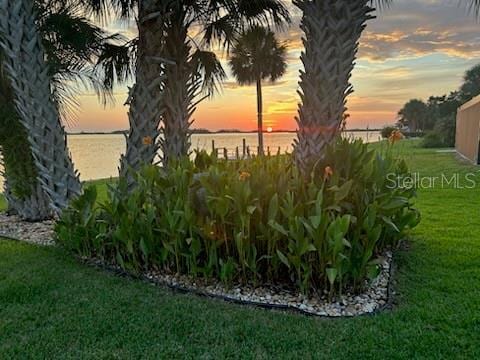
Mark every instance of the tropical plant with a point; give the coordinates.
(88, 59)
(175, 70)
(332, 29)
(195, 73)
(24, 63)
(146, 95)
(256, 220)
(256, 56)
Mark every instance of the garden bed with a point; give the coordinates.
(375, 298)
(40, 233)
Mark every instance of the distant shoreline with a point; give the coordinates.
(208, 132)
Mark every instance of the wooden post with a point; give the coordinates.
(248, 151)
(213, 147)
(268, 151)
(244, 147)
(225, 153)
(237, 153)
(279, 151)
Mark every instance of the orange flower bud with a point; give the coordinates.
(395, 136)
(328, 172)
(244, 176)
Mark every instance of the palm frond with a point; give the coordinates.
(208, 66)
(116, 62)
(257, 54)
(223, 20)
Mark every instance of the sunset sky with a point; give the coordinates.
(414, 49)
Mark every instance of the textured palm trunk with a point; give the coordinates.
(28, 73)
(261, 148)
(145, 97)
(332, 31)
(22, 190)
(181, 89)
(32, 207)
(24, 194)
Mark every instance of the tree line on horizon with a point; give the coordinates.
(45, 44)
(435, 119)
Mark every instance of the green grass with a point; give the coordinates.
(53, 307)
(100, 184)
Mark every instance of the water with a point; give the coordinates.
(97, 156)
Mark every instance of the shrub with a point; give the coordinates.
(417, 134)
(253, 220)
(443, 134)
(433, 139)
(387, 131)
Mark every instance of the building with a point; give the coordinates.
(467, 140)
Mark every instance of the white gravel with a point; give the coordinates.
(40, 233)
(373, 299)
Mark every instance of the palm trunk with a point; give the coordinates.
(22, 190)
(332, 31)
(181, 88)
(261, 149)
(145, 97)
(32, 207)
(28, 73)
(24, 194)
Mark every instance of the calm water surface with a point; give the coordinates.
(97, 156)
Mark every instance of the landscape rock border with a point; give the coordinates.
(39, 233)
(377, 296)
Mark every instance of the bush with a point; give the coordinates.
(443, 135)
(433, 139)
(387, 131)
(253, 220)
(417, 134)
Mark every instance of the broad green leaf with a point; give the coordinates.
(332, 275)
(316, 221)
(273, 208)
(278, 227)
(343, 191)
(390, 222)
(283, 258)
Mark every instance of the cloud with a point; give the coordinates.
(415, 48)
(415, 28)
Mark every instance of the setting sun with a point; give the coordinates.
(269, 129)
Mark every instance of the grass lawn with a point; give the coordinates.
(53, 307)
(100, 184)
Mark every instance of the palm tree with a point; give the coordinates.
(257, 55)
(414, 114)
(332, 30)
(175, 71)
(23, 192)
(193, 73)
(29, 76)
(69, 57)
(145, 98)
